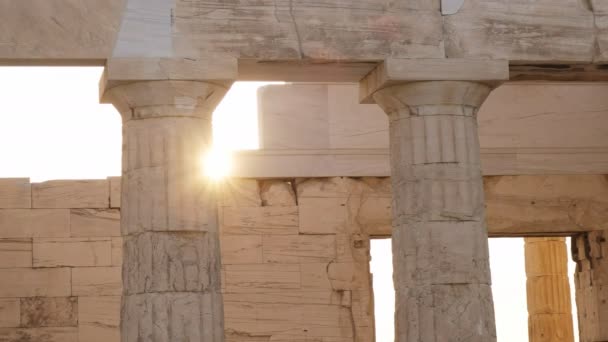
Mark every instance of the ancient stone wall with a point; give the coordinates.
(295, 259)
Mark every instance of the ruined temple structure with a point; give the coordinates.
(436, 122)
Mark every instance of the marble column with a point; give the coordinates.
(171, 263)
(440, 242)
(548, 290)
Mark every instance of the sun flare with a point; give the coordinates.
(217, 163)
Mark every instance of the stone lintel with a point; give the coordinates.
(221, 70)
(398, 70)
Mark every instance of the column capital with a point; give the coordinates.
(394, 71)
(436, 94)
(165, 98)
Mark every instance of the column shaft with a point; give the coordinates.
(171, 262)
(548, 290)
(440, 248)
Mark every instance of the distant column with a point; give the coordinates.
(440, 242)
(171, 263)
(548, 290)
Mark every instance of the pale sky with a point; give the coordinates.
(53, 127)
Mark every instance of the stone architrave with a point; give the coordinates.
(548, 290)
(171, 265)
(440, 247)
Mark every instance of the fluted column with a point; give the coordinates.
(171, 263)
(548, 290)
(440, 247)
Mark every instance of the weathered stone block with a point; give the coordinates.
(15, 193)
(171, 261)
(41, 282)
(334, 218)
(61, 334)
(260, 220)
(49, 312)
(53, 252)
(115, 193)
(9, 312)
(241, 249)
(26, 223)
(94, 222)
(299, 249)
(173, 316)
(71, 194)
(117, 251)
(262, 277)
(99, 319)
(15, 253)
(92, 332)
(96, 281)
(278, 193)
(238, 192)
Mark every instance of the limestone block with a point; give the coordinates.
(241, 249)
(335, 187)
(334, 217)
(10, 315)
(262, 277)
(289, 296)
(277, 193)
(239, 192)
(71, 194)
(15, 193)
(55, 334)
(115, 193)
(172, 316)
(41, 282)
(171, 261)
(15, 253)
(299, 249)
(96, 281)
(54, 252)
(314, 277)
(374, 215)
(117, 251)
(314, 321)
(49, 312)
(260, 220)
(27, 223)
(99, 319)
(94, 222)
(548, 294)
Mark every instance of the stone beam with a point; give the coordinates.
(302, 36)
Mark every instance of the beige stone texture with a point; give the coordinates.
(15, 193)
(10, 314)
(54, 334)
(117, 251)
(71, 194)
(114, 191)
(260, 220)
(15, 253)
(298, 249)
(96, 281)
(278, 193)
(591, 282)
(99, 319)
(440, 248)
(548, 290)
(73, 252)
(333, 219)
(41, 282)
(241, 249)
(49, 312)
(27, 223)
(262, 277)
(237, 192)
(94, 222)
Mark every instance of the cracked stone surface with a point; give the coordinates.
(440, 248)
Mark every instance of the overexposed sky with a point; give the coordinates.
(53, 127)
